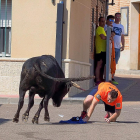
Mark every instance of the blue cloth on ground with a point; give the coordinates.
(73, 120)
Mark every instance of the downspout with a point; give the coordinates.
(59, 32)
(97, 14)
(106, 8)
(5, 27)
(0, 22)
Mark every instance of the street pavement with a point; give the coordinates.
(127, 126)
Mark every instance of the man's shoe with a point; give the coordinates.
(114, 82)
(106, 116)
(83, 114)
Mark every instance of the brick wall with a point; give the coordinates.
(99, 7)
(116, 8)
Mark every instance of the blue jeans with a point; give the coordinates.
(117, 55)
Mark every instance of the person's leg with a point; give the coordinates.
(104, 65)
(98, 71)
(117, 56)
(87, 102)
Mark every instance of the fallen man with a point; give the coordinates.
(111, 97)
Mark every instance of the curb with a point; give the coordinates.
(9, 100)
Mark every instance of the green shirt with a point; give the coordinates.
(100, 43)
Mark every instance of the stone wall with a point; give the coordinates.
(10, 70)
(72, 69)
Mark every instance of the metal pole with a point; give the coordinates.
(5, 26)
(0, 24)
(59, 33)
(108, 54)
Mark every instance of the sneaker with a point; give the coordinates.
(114, 82)
(83, 114)
(106, 116)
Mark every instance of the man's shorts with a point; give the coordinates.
(93, 92)
(101, 56)
(109, 108)
(117, 55)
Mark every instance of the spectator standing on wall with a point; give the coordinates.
(119, 40)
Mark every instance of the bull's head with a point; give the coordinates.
(63, 90)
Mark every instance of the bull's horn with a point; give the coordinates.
(63, 79)
(77, 86)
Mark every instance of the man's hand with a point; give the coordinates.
(122, 48)
(111, 38)
(86, 119)
(107, 120)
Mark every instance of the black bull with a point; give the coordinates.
(43, 76)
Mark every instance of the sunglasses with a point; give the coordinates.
(111, 20)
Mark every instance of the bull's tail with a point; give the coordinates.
(62, 79)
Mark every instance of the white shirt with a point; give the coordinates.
(119, 30)
(105, 28)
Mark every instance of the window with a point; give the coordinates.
(125, 19)
(5, 27)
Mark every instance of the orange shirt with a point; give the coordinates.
(103, 89)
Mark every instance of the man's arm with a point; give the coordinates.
(91, 109)
(123, 42)
(102, 36)
(114, 116)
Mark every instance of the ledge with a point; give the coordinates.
(73, 61)
(13, 59)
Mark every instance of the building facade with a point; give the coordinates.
(28, 29)
(130, 11)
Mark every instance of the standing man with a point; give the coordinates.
(109, 22)
(111, 97)
(100, 44)
(119, 41)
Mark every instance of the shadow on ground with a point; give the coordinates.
(129, 87)
(126, 122)
(2, 120)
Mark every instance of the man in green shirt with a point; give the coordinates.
(100, 44)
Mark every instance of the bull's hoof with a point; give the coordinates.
(47, 118)
(25, 117)
(35, 120)
(15, 120)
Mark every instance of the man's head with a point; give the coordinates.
(102, 22)
(110, 20)
(112, 95)
(117, 18)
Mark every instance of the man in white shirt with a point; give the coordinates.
(119, 41)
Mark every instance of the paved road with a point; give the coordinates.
(127, 126)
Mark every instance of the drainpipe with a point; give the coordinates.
(59, 32)
(0, 21)
(5, 27)
(97, 14)
(108, 47)
(106, 8)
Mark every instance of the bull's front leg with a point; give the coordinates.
(25, 116)
(36, 117)
(20, 105)
(46, 115)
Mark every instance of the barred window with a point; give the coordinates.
(5, 27)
